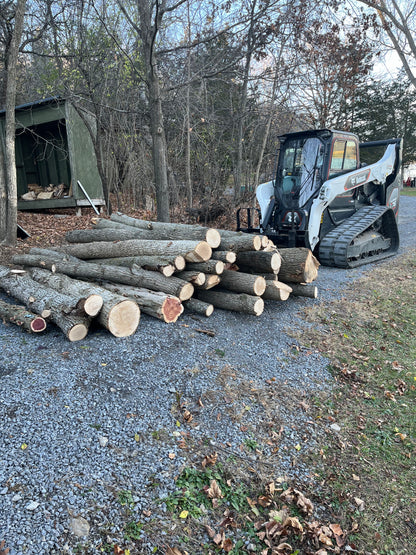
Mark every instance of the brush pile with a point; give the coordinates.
(125, 266)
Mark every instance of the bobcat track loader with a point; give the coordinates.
(323, 197)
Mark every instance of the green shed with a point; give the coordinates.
(55, 160)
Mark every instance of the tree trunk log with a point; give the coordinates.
(200, 307)
(61, 309)
(58, 255)
(228, 257)
(244, 242)
(243, 283)
(90, 298)
(298, 266)
(241, 302)
(193, 251)
(195, 277)
(209, 267)
(304, 290)
(276, 291)
(211, 280)
(154, 263)
(130, 276)
(162, 230)
(22, 317)
(159, 305)
(261, 261)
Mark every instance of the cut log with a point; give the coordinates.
(57, 254)
(298, 266)
(159, 305)
(209, 267)
(199, 307)
(211, 280)
(163, 230)
(130, 276)
(90, 299)
(195, 277)
(304, 290)
(238, 302)
(261, 261)
(60, 308)
(244, 242)
(276, 291)
(243, 283)
(193, 251)
(22, 317)
(154, 263)
(225, 256)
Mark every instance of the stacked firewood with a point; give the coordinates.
(125, 265)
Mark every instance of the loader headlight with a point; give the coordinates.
(292, 218)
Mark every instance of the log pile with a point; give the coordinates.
(125, 266)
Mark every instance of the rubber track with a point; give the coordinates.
(333, 247)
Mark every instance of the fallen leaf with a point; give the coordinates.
(227, 545)
(210, 460)
(171, 456)
(360, 503)
(173, 551)
(214, 490)
(184, 514)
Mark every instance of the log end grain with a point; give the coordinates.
(124, 318)
(37, 325)
(172, 308)
(201, 253)
(213, 238)
(186, 292)
(257, 242)
(93, 305)
(258, 306)
(179, 263)
(77, 332)
(259, 286)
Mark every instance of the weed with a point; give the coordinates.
(125, 497)
(132, 531)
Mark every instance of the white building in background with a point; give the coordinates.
(409, 171)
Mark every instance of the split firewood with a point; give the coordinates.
(243, 242)
(243, 283)
(304, 290)
(164, 230)
(59, 308)
(225, 256)
(135, 276)
(195, 277)
(90, 299)
(239, 302)
(260, 261)
(298, 265)
(211, 280)
(159, 305)
(276, 291)
(22, 317)
(193, 251)
(199, 307)
(209, 267)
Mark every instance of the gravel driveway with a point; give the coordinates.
(82, 422)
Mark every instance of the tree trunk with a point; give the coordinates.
(209, 267)
(130, 276)
(243, 283)
(211, 280)
(248, 304)
(298, 266)
(259, 261)
(195, 277)
(158, 305)
(199, 307)
(10, 156)
(60, 309)
(20, 316)
(237, 243)
(304, 290)
(228, 257)
(276, 291)
(193, 251)
(165, 266)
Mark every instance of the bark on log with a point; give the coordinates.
(209, 267)
(22, 317)
(243, 283)
(195, 277)
(228, 257)
(163, 230)
(245, 242)
(57, 254)
(260, 262)
(199, 307)
(304, 290)
(61, 309)
(298, 266)
(211, 280)
(193, 251)
(130, 276)
(276, 291)
(154, 263)
(159, 305)
(238, 302)
(90, 298)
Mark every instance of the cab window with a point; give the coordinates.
(344, 157)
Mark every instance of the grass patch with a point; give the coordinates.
(367, 470)
(408, 192)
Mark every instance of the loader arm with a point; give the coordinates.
(375, 173)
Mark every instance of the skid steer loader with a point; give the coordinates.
(327, 199)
